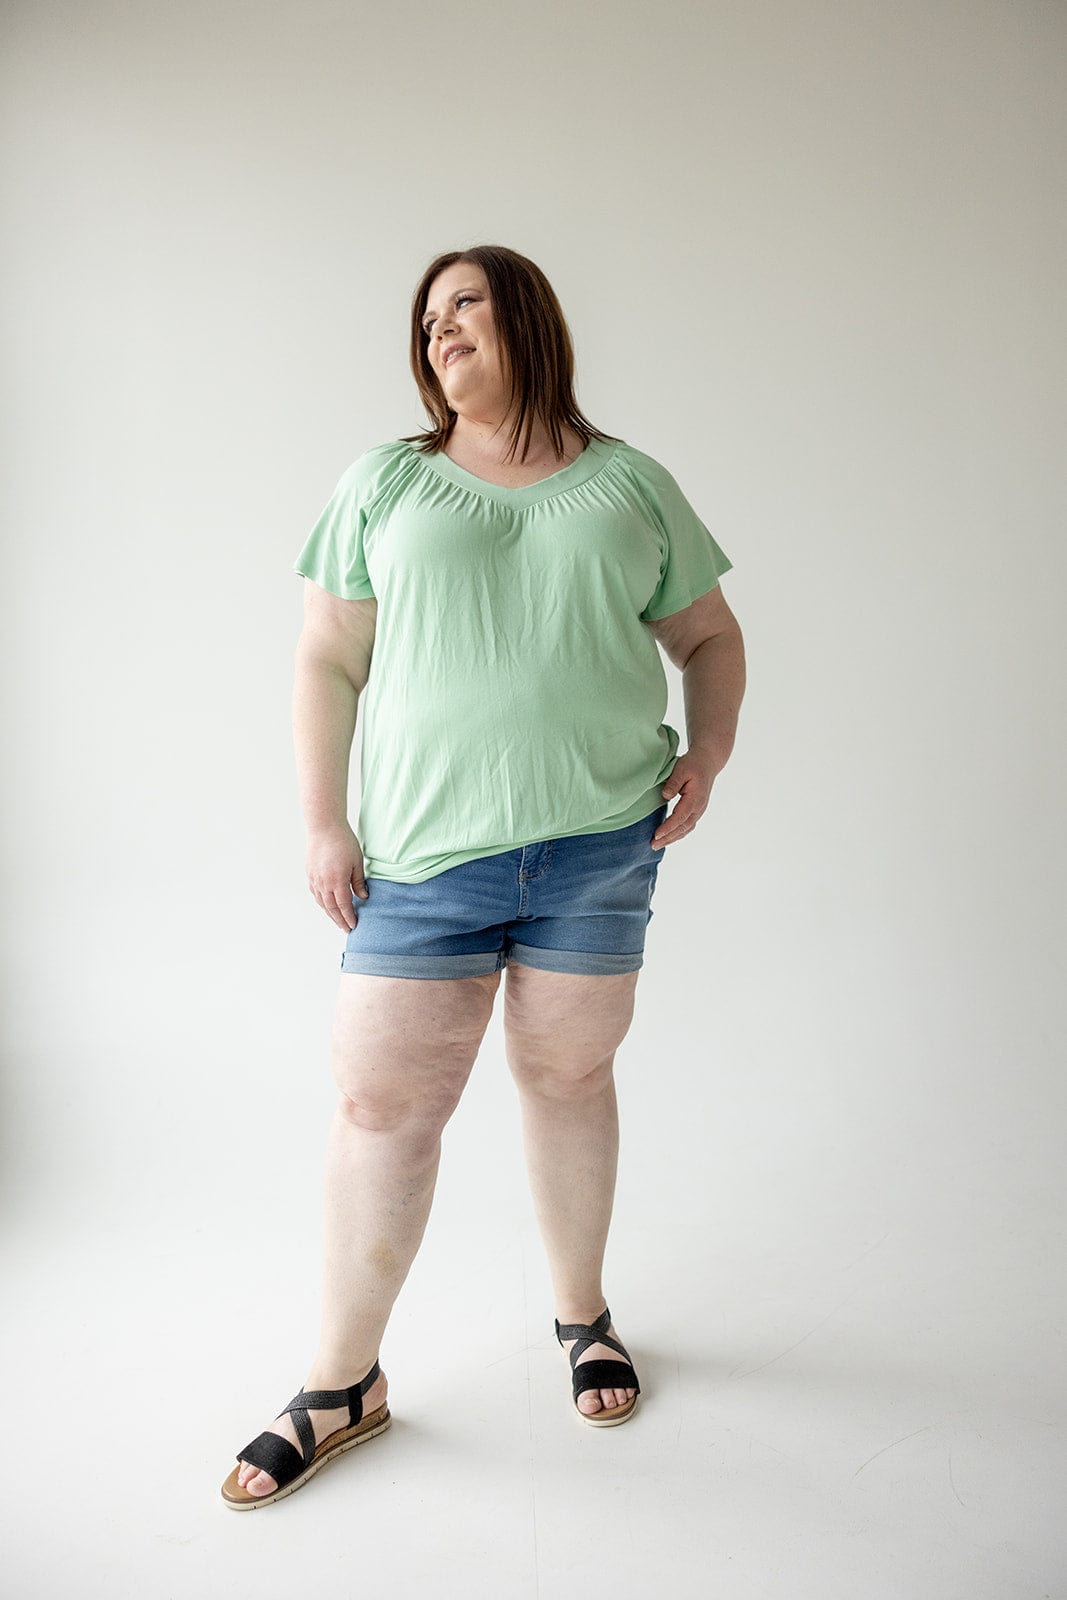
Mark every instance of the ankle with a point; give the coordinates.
(339, 1373)
(583, 1313)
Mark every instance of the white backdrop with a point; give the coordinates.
(812, 256)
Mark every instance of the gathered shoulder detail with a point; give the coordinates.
(691, 559)
(647, 476)
(380, 469)
(335, 552)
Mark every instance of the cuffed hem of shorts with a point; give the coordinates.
(475, 964)
(580, 961)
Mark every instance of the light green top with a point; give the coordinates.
(515, 694)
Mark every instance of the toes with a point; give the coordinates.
(262, 1483)
(604, 1399)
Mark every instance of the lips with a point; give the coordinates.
(455, 352)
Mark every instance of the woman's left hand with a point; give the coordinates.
(691, 779)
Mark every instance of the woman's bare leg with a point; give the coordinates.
(403, 1049)
(561, 1031)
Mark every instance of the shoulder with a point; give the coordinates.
(375, 468)
(651, 484)
(380, 458)
(389, 451)
(650, 472)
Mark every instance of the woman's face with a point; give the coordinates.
(459, 312)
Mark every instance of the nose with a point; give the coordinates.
(446, 328)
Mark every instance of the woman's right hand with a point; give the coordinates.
(334, 871)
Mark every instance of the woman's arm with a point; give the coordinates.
(325, 702)
(333, 657)
(705, 642)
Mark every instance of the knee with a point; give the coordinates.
(562, 1078)
(418, 1122)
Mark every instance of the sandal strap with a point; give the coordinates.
(592, 1332)
(270, 1452)
(580, 1346)
(304, 1430)
(331, 1400)
(604, 1375)
(586, 1334)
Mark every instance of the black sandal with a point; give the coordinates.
(288, 1466)
(599, 1374)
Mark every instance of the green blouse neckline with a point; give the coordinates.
(596, 455)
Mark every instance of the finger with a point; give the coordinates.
(667, 829)
(345, 916)
(329, 903)
(677, 829)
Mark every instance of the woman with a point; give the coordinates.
(515, 782)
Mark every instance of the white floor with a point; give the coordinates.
(852, 1368)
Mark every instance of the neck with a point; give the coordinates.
(488, 438)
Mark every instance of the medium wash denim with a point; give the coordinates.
(578, 904)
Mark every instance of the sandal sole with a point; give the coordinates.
(596, 1421)
(249, 1502)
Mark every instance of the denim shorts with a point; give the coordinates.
(578, 904)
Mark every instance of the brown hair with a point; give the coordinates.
(537, 351)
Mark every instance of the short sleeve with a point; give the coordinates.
(691, 562)
(333, 554)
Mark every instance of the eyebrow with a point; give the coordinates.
(426, 315)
